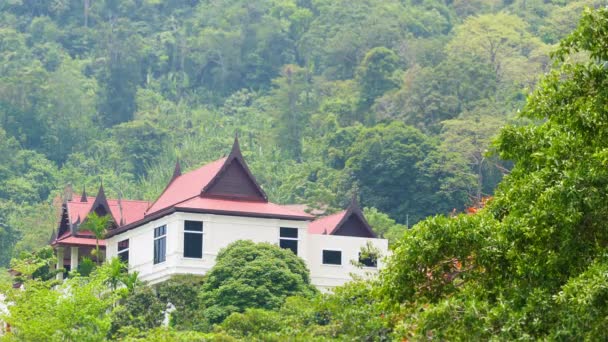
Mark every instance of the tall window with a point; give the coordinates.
(160, 244)
(332, 257)
(123, 251)
(193, 239)
(289, 239)
(368, 260)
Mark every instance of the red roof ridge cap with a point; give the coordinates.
(128, 200)
(341, 212)
(171, 206)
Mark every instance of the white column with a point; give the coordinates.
(59, 262)
(74, 258)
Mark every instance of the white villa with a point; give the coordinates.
(203, 211)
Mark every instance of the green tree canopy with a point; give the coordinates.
(531, 263)
(252, 275)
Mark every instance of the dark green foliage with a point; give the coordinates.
(37, 265)
(120, 90)
(375, 74)
(141, 140)
(141, 310)
(353, 312)
(8, 236)
(391, 164)
(252, 275)
(85, 267)
(252, 323)
(532, 264)
(395, 100)
(182, 292)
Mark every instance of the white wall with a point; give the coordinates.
(328, 276)
(220, 230)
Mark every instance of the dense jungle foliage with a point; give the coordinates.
(397, 100)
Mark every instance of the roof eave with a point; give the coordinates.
(171, 210)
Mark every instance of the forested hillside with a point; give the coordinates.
(395, 100)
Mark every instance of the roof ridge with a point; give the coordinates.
(152, 203)
(128, 200)
(341, 212)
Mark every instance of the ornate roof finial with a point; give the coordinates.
(236, 148)
(101, 192)
(353, 201)
(101, 206)
(53, 236)
(122, 219)
(83, 198)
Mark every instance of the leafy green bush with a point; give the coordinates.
(252, 275)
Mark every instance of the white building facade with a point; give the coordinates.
(207, 209)
(218, 231)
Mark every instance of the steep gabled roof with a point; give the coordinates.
(75, 211)
(225, 187)
(326, 224)
(186, 186)
(349, 222)
(228, 178)
(101, 205)
(234, 179)
(83, 198)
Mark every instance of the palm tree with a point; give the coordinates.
(97, 225)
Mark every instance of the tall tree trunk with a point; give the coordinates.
(87, 5)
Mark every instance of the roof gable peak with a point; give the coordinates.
(83, 198)
(101, 206)
(348, 225)
(234, 180)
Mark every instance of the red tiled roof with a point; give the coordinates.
(131, 210)
(186, 186)
(327, 224)
(254, 208)
(78, 241)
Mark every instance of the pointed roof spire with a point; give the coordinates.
(354, 209)
(235, 161)
(236, 147)
(53, 236)
(353, 201)
(83, 198)
(101, 193)
(177, 171)
(101, 202)
(122, 220)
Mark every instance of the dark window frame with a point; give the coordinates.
(189, 233)
(286, 238)
(326, 256)
(160, 244)
(123, 251)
